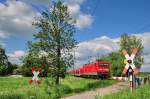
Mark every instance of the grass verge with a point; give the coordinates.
(18, 88)
(143, 92)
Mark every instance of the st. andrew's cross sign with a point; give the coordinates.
(130, 67)
(35, 77)
(130, 61)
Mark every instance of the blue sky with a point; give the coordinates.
(114, 17)
(111, 18)
(96, 19)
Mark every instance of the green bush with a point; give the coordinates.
(7, 69)
(3, 70)
(64, 89)
(26, 71)
(56, 91)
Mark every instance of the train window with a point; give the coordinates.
(105, 64)
(100, 64)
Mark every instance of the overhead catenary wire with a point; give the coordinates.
(144, 27)
(95, 9)
(92, 14)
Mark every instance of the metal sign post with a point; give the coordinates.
(130, 68)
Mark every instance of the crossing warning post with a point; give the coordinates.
(130, 70)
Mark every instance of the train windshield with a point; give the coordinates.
(103, 65)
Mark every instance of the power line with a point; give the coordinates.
(97, 4)
(144, 27)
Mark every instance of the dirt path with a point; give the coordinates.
(102, 91)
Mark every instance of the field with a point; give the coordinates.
(143, 92)
(18, 88)
(144, 74)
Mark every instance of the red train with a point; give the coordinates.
(95, 69)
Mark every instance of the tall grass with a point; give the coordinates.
(18, 88)
(142, 92)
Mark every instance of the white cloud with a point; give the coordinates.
(41, 2)
(74, 10)
(15, 56)
(36, 3)
(16, 18)
(3, 34)
(91, 49)
(46, 2)
(74, 1)
(146, 52)
(145, 68)
(84, 21)
(2, 44)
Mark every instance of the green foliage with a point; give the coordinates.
(26, 71)
(144, 74)
(140, 93)
(128, 42)
(33, 60)
(116, 63)
(5, 66)
(3, 70)
(12, 67)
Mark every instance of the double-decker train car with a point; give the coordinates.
(97, 68)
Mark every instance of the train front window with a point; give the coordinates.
(105, 64)
(102, 65)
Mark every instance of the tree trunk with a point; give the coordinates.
(58, 61)
(58, 66)
(57, 80)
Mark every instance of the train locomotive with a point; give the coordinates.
(98, 68)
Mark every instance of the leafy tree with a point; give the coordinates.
(4, 64)
(116, 63)
(56, 38)
(128, 42)
(11, 67)
(34, 59)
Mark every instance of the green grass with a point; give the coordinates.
(18, 88)
(144, 74)
(143, 92)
